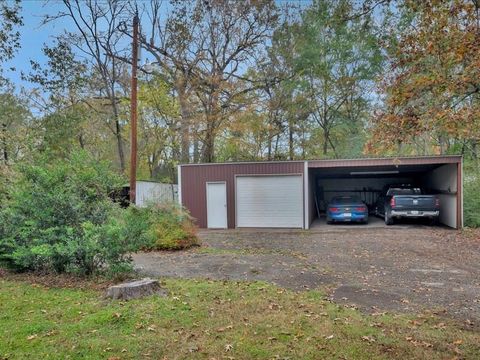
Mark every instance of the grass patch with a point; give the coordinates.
(214, 319)
(249, 251)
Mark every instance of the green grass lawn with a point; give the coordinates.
(214, 320)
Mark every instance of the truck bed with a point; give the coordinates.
(415, 202)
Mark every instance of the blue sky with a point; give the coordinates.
(33, 36)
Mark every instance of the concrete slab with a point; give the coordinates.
(374, 222)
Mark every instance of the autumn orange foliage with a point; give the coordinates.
(432, 86)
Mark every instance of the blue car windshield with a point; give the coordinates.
(345, 199)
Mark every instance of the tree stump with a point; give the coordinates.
(135, 289)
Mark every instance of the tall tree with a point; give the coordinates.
(10, 20)
(73, 111)
(337, 59)
(98, 38)
(209, 45)
(286, 107)
(63, 77)
(15, 127)
(160, 128)
(432, 85)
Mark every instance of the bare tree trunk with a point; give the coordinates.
(196, 150)
(4, 143)
(441, 142)
(475, 150)
(290, 140)
(303, 144)
(269, 146)
(332, 146)
(185, 122)
(325, 141)
(185, 140)
(118, 127)
(151, 161)
(212, 113)
(87, 18)
(150, 170)
(118, 136)
(209, 147)
(176, 152)
(275, 156)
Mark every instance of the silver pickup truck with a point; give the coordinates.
(406, 201)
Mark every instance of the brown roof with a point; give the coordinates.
(392, 161)
(366, 161)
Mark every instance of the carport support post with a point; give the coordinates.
(460, 194)
(179, 184)
(306, 194)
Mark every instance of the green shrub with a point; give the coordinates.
(59, 218)
(161, 227)
(471, 197)
(173, 229)
(6, 177)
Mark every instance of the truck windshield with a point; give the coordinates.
(404, 191)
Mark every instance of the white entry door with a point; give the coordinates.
(216, 205)
(269, 201)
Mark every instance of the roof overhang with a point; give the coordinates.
(392, 162)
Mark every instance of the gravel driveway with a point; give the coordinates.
(377, 269)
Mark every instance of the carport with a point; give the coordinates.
(367, 177)
(294, 194)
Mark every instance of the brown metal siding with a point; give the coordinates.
(195, 177)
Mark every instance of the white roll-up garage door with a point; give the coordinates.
(269, 201)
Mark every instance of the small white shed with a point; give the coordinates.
(155, 192)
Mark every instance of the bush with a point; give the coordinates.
(161, 227)
(6, 176)
(59, 218)
(471, 197)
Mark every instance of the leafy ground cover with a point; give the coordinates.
(214, 320)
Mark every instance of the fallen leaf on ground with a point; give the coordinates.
(368, 338)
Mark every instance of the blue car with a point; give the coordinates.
(347, 209)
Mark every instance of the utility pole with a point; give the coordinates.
(133, 113)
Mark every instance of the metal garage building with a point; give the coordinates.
(292, 194)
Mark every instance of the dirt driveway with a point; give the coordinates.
(377, 269)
